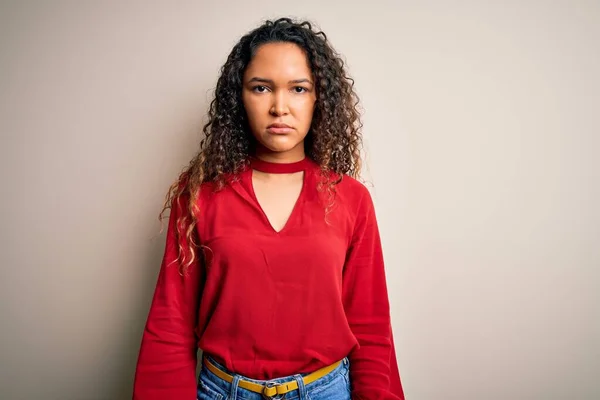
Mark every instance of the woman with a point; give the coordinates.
(273, 263)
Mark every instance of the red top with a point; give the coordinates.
(269, 304)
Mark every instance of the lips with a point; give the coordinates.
(279, 129)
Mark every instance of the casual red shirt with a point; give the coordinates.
(268, 304)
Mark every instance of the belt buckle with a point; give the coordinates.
(269, 385)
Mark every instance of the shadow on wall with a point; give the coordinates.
(121, 386)
(132, 335)
(122, 389)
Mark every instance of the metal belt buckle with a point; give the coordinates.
(271, 385)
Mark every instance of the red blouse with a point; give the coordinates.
(268, 304)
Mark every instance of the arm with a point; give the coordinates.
(373, 368)
(166, 367)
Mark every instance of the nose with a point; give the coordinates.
(280, 103)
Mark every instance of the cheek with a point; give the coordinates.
(257, 107)
(252, 108)
(306, 110)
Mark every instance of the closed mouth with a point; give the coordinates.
(278, 126)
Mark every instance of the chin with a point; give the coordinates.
(279, 145)
(280, 149)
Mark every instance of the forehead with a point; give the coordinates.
(285, 61)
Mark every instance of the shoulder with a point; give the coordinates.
(345, 185)
(358, 203)
(352, 185)
(354, 192)
(350, 193)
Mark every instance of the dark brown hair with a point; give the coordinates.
(334, 140)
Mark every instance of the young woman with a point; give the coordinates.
(273, 263)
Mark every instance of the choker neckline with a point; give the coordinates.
(279, 168)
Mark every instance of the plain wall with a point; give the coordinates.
(482, 132)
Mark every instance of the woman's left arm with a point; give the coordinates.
(373, 367)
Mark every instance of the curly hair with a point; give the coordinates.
(334, 140)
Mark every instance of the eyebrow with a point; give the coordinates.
(264, 80)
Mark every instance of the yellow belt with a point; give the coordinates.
(271, 389)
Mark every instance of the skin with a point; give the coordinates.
(279, 88)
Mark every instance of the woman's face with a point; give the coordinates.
(278, 88)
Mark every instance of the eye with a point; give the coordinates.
(300, 89)
(260, 89)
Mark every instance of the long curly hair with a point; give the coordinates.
(334, 140)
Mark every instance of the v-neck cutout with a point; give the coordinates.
(293, 212)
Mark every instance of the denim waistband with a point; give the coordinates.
(226, 386)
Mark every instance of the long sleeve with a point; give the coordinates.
(166, 367)
(373, 367)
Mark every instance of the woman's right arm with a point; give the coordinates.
(166, 367)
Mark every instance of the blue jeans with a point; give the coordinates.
(333, 386)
